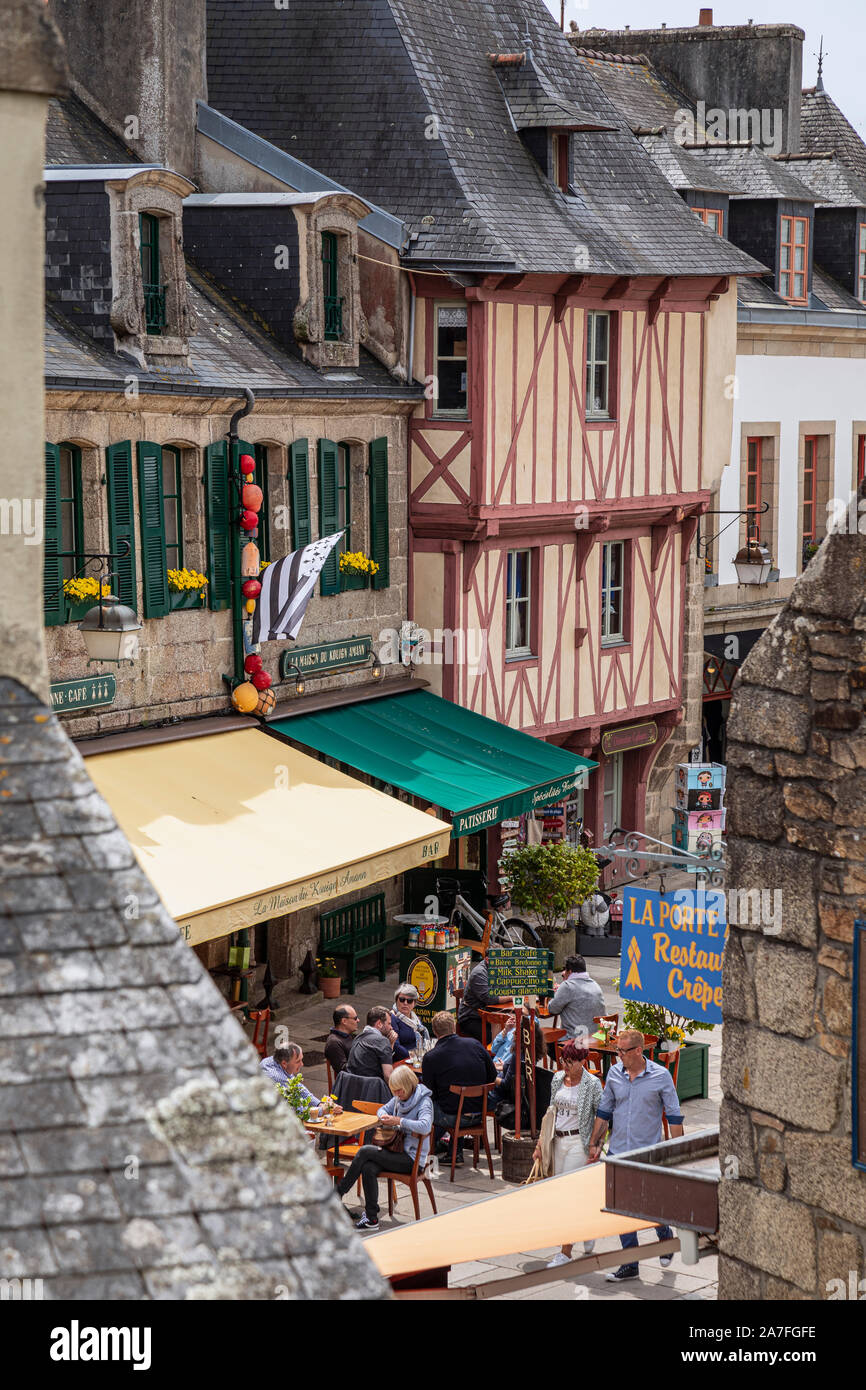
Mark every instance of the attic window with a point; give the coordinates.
(861, 262)
(793, 259)
(151, 281)
(559, 159)
(330, 289)
(711, 217)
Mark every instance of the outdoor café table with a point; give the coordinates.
(343, 1127)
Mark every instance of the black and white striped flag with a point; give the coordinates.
(287, 587)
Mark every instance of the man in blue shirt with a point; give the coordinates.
(636, 1094)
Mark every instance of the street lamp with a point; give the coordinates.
(752, 562)
(110, 631)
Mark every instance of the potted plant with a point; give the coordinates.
(356, 569)
(329, 977)
(81, 594)
(186, 588)
(548, 881)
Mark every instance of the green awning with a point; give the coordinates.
(479, 771)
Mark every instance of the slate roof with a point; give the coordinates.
(823, 129)
(754, 172)
(73, 135)
(826, 294)
(833, 181)
(532, 102)
(636, 88)
(226, 349)
(681, 170)
(142, 1155)
(398, 100)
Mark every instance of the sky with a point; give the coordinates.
(842, 23)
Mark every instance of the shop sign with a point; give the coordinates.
(672, 950)
(327, 656)
(635, 736)
(518, 970)
(482, 817)
(83, 694)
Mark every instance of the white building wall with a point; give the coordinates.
(790, 390)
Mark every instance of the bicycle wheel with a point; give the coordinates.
(515, 932)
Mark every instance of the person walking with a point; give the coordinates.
(636, 1095)
(566, 1129)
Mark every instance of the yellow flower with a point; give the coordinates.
(186, 580)
(80, 590)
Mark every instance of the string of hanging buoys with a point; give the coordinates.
(254, 695)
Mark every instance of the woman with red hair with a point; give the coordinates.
(563, 1144)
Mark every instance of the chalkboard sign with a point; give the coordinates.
(518, 970)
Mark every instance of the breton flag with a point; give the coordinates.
(287, 586)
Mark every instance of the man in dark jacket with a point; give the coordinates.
(453, 1061)
(341, 1037)
(475, 996)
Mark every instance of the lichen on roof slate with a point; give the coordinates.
(142, 1155)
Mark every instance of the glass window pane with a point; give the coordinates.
(169, 474)
(599, 389)
(786, 257)
(520, 629)
(616, 564)
(601, 331)
(800, 258)
(67, 484)
(799, 287)
(521, 574)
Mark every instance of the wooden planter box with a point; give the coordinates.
(187, 598)
(694, 1073)
(76, 611)
(349, 581)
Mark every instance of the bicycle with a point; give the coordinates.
(503, 931)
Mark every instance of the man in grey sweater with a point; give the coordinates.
(578, 1000)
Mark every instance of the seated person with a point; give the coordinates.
(454, 1061)
(339, 1041)
(411, 1112)
(501, 1098)
(411, 1033)
(476, 996)
(372, 1052)
(285, 1063)
(502, 1047)
(578, 1000)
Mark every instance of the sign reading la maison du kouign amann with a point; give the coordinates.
(326, 656)
(672, 950)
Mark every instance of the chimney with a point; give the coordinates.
(705, 19)
(140, 67)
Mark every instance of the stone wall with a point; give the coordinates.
(793, 1210)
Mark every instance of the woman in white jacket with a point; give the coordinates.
(563, 1144)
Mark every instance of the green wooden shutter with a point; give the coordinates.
(329, 518)
(216, 479)
(152, 518)
(299, 483)
(54, 597)
(378, 473)
(121, 519)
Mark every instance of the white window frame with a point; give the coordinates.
(438, 412)
(608, 638)
(512, 601)
(592, 361)
(613, 764)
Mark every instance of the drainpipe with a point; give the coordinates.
(235, 481)
(411, 366)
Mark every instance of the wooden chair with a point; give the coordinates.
(559, 1037)
(330, 1072)
(594, 1066)
(473, 944)
(671, 1060)
(475, 1132)
(651, 1041)
(608, 1018)
(412, 1179)
(261, 1019)
(492, 1020)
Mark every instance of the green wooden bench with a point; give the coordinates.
(351, 933)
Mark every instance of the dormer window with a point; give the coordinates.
(560, 163)
(330, 289)
(151, 280)
(861, 261)
(793, 259)
(711, 217)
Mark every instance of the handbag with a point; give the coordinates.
(386, 1138)
(535, 1173)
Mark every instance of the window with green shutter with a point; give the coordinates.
(330, 287)
(344, 515)
(152, 522)
(329, 513)
(264, 541)
(299, 487)
(216, 480)
(121, 520)
(151, 282)
(54, 600)
(172, 505)
(378, 476)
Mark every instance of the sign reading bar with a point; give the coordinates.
(518, 970)
(672, 950)
(327, 656)
(635, 736)
(83, 693)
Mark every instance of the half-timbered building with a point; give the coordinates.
(573, 324)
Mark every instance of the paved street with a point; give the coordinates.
(309, 1026)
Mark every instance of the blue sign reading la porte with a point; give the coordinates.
(672, 950)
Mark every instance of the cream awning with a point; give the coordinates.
(236, 828)
(556, 1212)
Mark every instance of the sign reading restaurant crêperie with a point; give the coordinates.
(327, 656)
(83, 693)
(672, 950)
(518, 970)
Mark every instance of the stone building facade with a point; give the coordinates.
(793, 1208)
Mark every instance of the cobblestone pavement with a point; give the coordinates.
(309, 1026)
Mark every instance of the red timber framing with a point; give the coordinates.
(527, 471)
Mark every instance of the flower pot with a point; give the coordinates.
(76, 611)
(186, 598)
(669, 1046)
(350, 580)
(330, 986)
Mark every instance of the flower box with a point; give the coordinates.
(186, 598)
(350, 579)
(75, 611)
(693, 1077)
